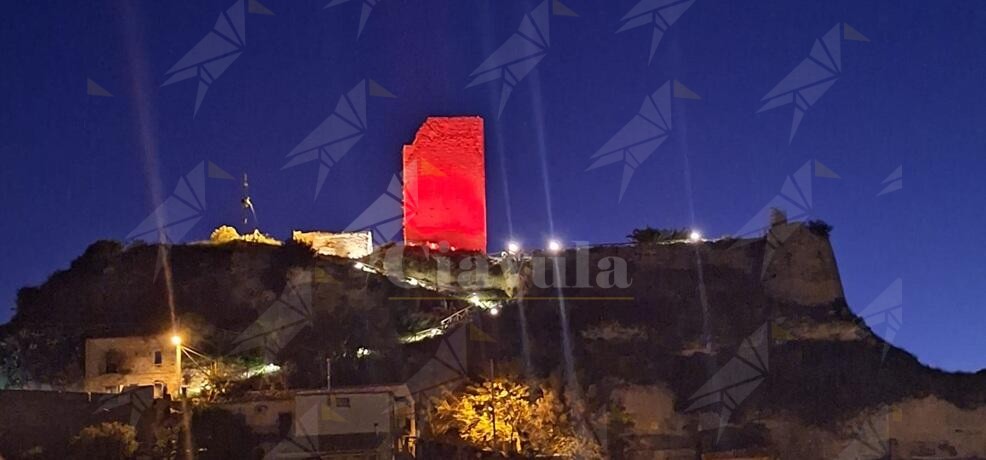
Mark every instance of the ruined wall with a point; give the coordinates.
(134, 359)
(352, 245)
(445, 184)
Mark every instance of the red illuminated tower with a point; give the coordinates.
(445, 184)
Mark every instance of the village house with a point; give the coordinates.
(115, 363)
(366, 422)
(269, 414)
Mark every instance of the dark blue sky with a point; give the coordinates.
(75, 168)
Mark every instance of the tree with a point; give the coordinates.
(221, 375)
(108, 440)
(507, 416)
(224, 234)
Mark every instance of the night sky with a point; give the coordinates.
(79, 167)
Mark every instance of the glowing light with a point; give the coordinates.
(363, 352)
(554, 246)
(495, 311)
(421, 335)
(176, 340)
(513, 247)
(265, 369)
(359, 265)
(695, 236)
(474, 299)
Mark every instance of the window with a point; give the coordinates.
(342, 402)
(112, 360)
(157, 358)
(159, 389)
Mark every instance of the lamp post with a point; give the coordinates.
(176, 341)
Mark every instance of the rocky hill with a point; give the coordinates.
(749, 344)
(729, 345)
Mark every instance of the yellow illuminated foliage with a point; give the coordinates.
(527, 422)
(226, 234)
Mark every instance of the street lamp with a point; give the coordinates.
(554, 246)
(695, 236)
(176, 341)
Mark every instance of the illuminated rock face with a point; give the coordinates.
(445, 184)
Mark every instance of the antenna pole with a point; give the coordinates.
(247, 204)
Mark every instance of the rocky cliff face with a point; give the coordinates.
(747, 346)
(731, 345)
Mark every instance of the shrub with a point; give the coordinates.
(226, 234)
(657, 235)
(108, 440)
(819, 227)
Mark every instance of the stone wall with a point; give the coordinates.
(116, 362)
(352, 245)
